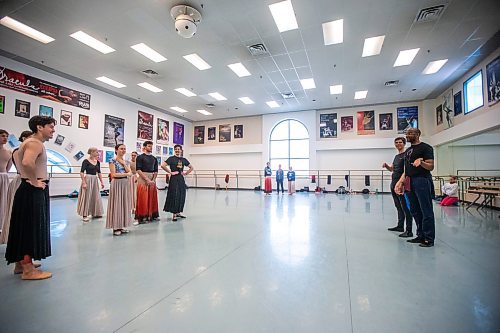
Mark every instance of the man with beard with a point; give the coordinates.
(147, 193)
(417, 182)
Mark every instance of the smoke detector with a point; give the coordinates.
(186, 20)
(430, 14)
(288, 95)
(257, 49)
(391, 83)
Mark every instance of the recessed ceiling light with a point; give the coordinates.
(148, 52)
(197, 62)
(308, 84)
(217, 96)
(185, 92)
(246, 100)
(335, 90)
(150, 87)
(239, 69)
(111, 82)
(25, 30)
(405, 57)
(333, 32)
(360, 94)
(273, 104)
(92, 42)
(373, 46)
(434, 66)
(204, 112)
(284, 16)
(178, 109)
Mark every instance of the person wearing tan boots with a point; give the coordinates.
(29, 236)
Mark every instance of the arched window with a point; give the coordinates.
(57, 163)
(289, 145)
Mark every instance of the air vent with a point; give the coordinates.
(150, 73)
(257, 49)
(210, 105)
(430, 14)
(288, 95)
(391, 83)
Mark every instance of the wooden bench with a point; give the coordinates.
(488, 193)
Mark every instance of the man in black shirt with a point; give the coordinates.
(419, 162)
(147, 193)
(397, 169)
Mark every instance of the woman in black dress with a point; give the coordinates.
(176, 194)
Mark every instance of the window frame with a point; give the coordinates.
(288, 140)
(479, 72)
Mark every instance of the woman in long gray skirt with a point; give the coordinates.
(89, 199)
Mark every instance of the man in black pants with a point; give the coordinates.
(419, 162)
(397, 169)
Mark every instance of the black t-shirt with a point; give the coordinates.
(398, 166)
(177, 163)
(146, 163)
(89, 168)
(414, 152)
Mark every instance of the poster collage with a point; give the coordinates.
(224, 133)
(365, 122)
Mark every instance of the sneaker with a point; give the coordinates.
(406, 234)
(117, 233)
(396, 228)
(415, 240)
(135, 223)
(426, 243)
(85, 219)
(125, 231)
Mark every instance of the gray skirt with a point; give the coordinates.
(119, 213)
(89, 199)
(11, 192)
(4, 187)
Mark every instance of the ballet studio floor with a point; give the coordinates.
(245, 262)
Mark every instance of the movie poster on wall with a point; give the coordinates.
(238, 131)
(199, 135)
(366, 122)
(2, 104)
(439, 114)
(144, 126)
(45, 111)
(328, 125)
(457, 103)
(447, 107)
(385, 121)
(178, 134)
(211, 133)
(347, 124)
(162, 132)
(114, 130)
(225, 133)
(22, 109)
(407, 118)
(493, 81)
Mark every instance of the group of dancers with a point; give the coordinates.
(25, 206)
(290, 175)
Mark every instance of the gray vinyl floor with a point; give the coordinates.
(244, 262)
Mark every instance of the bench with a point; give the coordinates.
(488, 193)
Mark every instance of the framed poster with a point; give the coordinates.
(439, 114)
(144, 126)
(2, 104)
(178, 134)
(66, 118)
(328, 125)
(407, 118)
(199, 135)
(109, 155)
(457, 103)
(22, 109)
(211, 133)
(158, 149)
(114, 132)
(83, 121)
(78, 156)
(162, 131)
(493, 81)
(165, 150)
(170, 150)
(45, 111)
(70, 147)
(447, 107)
(59, 140)
(238, 131)
(347, 124)
(366, 122)
(385, 122)
(101, 155)
(225, 133)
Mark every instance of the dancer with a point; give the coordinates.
(450, 190)
(280, 175)
(29, 235)
(133, 179)
(89, 199)
(5, 164)
(147, 192)
(119, 214)
(268, 188)
(290, 175)
(13, 186)
(176, 194)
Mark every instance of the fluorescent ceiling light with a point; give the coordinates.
(405, 57)
(25, 30)
(308, 84)
(333, 32)
(434, 66)
(204, 112)
(217, 96)
(92, 42)
(360, 94)
(150, 87)
(148, 52)
(373, 46)
(272, 104)
(284, 16)
(111, 82)
(197, 62)
(246, 100)
(178, 109)
(239, 69)
(336, 90)
(185, 92)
